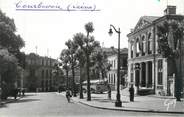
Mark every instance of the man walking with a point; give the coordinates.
(68, 95)
(131, 90)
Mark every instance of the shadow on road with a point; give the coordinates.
(26, 100)
(3, 106)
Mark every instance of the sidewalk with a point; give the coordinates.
(149, 103)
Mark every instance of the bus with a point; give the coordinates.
(97, 86)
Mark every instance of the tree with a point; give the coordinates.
(170, 35)
(72, 60)
(89, 29)
(80, 55)
(64, 57)
(87, 44)
(100, 63)
(58, 75)
(10, 45)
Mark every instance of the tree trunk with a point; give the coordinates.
(81, 91)
(178, 87)
(87, 70)
(73, 82)
(67, 80)
(88, 80)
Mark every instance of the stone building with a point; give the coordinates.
(147, 69)
(112, 73)
(39, 73)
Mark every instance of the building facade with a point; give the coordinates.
(39, 73)
(147, 69)
(112, 73)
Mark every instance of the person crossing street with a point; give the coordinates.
(68, 95)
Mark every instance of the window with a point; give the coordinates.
(50, 74)
(43, 62)
(112, 78)
(132, 77)
(42, 74)
(47, 73)
(115, 64)
(46, 62)
(143, 45)
(109, 78)
(131, 68)
(32, 72)
(149, 44)
(137, 48)
(112, 64)
(160, 72)
(131, 50)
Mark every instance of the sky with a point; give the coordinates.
(45, 32)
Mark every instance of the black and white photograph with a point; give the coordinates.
(91, 58)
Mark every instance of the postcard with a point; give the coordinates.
(91, 58)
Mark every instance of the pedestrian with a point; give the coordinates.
(15, 93)
(68, 95)
(131, 90)
(109, 91)
(23, 92)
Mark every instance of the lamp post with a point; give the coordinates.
(118, 102)
(0, 89)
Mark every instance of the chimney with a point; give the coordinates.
(170, 10)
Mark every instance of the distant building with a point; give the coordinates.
(112, 73)
(39, 73)
(147, 69)
(110, 51)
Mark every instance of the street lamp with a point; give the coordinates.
(118, 102)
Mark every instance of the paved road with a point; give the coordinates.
(53, 105)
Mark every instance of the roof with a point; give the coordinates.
(144, 21)
(150, 18)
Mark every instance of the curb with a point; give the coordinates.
(132, 110)
(161, 97)
(126, 109)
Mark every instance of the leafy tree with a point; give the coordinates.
(80, 56)
(8, 38)
(87, 44)
(100, 63)
(58, 74)
(72, 61)
(10, 45)
(170, 35)
(64, 57)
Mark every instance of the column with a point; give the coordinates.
(147, 74)
(153, 74)
(140, 73)
(146, 39)
(134, 49)
(129, 49)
